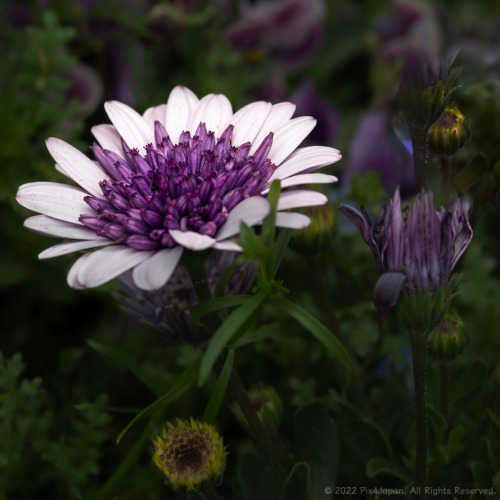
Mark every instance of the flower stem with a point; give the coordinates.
(195, 265)
(419, 348)
(420, 155)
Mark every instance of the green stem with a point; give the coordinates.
(195, 265)
(420, 155)
(419, 347)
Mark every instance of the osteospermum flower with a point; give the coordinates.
(181, 176)
(414, 250)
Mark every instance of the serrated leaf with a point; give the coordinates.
(217, 397)
(230, 330)
(473, 172)
(182, 384)
(296, 486)
(317, 443)
(378, 465)
(123, 360)
(471, 378)
(317, 329)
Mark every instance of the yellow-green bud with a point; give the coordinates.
(191, 456)
(449, 133)
(317, 238)
(449, 339)
(267, 405)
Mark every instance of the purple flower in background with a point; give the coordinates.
(375, 146)
(289, 30)
(182, 176)
(409, 34)
(415, 249)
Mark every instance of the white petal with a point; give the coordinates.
(297, 180)
(192, 240)
(248, 121)
(156, 113)
(292, 220)
(280, 113)
(59, 229)
(72, 278)
(228, 245)
(105, 264)
(300, 198)
(76, 165)
(56, 200)
(108, 138)
(252, 211)
(154, 272)
(180, 103)
(214, 110)
(305, 160)
(130, 125)
(288, 137)
(73, 246)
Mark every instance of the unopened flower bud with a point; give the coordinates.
(191, 456)
(449, 133)
(317, 238)
(267, 405)
(449, 339)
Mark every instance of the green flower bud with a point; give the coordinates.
(449, 339)
(267, 405)
(317, 238)
(191, 456)
(449, 133)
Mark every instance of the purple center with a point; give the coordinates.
(190, 186)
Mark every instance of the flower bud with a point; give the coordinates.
(191, 456)
(267, 405)
(317, 238)
(449, 339)
(449, 133)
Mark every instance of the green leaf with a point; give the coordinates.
(493, 419)
(231, 329)
(317, 329)
(219, 391)
(436, 417)
(473, 172)
(123, 360)
(182, 384)
(216, 304)
(481, 473)
(378, 465)
(317, 443)
(279, 248)
(296, 486)
(471, 378)
(366, 438)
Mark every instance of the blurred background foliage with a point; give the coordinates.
(340, 61)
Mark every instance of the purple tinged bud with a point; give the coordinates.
(160, 133)
(156, 234)
(169, 222)
(262, 152)
(114, 231)
(97, 204)
(387, 291)
(105, 161)
(205, 190)
(242, 152)
(142, 242)
(184, 137)
(167, 241)
(201, 131)
(137, 226)
(232, 198)
(154, 219)
(92, 221)
(141, 165)
(209, 228)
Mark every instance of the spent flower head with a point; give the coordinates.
(183, 176)
(191, 456)
(416, 249)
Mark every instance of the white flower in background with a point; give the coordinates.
(182, 176)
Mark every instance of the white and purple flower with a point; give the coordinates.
(414, 250)
(181, 176)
